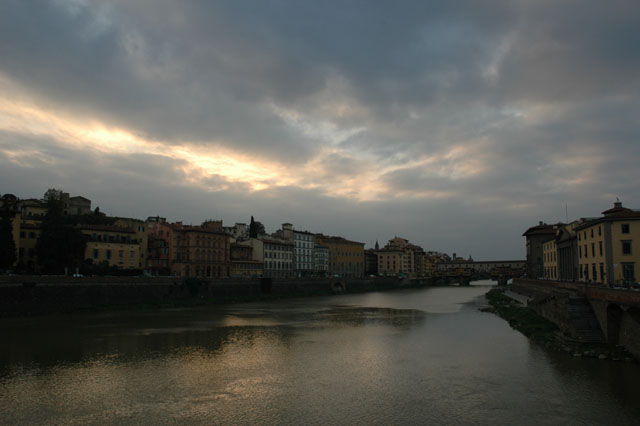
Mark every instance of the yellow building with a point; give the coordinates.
(32, 210)
(346, 258)
(142, 230)
(389, 261)
(15, 224)
(115, 245)
(550, 259)
(425, 265)
(26, 243)
(399, 257)
(609, 247)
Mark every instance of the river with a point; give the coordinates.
(418, 356)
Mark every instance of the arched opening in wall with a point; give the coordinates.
(614, 318)
(338, 287)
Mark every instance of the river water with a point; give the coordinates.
(419, 356)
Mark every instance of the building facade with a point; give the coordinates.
(320, 260)
(303, 245)
(536, 236)
(278, 258)
(567, 251)
(370, 262)
(609, 247)
(426, 265)
(242, 263)
(196, 251)
(346, 257)
(141, 230)
(114, 246)
(399, 257)
(550, 259)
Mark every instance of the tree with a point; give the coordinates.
(61, 245)
(7, 243)
(256, 228)
(54, 199)
(252, 229)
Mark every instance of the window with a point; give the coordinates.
(626, 247)
(591, 232)
(121, 254)
(593, 270)
(602, 272)
(108, 254)
(593, 249)
(628, 271)
(599, 230)
(625, 228)
(96, 253)
(132, 255)
(586, 252)
(600, 246)
(586, 272)
(580, 252)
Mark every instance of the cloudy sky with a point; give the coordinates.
(455, 124)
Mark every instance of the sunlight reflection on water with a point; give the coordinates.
(413, 356)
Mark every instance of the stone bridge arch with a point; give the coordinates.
(338, 286)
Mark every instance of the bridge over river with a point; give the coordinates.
(464, 272)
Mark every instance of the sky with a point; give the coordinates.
(454, 124)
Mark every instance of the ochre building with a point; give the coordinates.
(346, 257)
(609, 247)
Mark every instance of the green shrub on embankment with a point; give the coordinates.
(523, 319)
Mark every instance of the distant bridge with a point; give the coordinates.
(464, 272)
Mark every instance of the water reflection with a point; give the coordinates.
(407, 357)
(130, 336)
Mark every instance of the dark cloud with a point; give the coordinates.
(573, 51)
(541, 99)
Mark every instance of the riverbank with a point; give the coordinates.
(546, 333)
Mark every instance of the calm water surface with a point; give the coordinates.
(425, 356)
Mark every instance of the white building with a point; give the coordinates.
(320, 260)
(303, 256)
(278, 258)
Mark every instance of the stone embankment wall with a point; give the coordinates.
(550, 302)
(21, 295)
(615, 313)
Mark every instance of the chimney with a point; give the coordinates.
(540, 223)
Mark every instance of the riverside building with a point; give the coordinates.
(346, 257)
(609, 247)
(303, 245)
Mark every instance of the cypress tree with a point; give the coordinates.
(7, 243)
